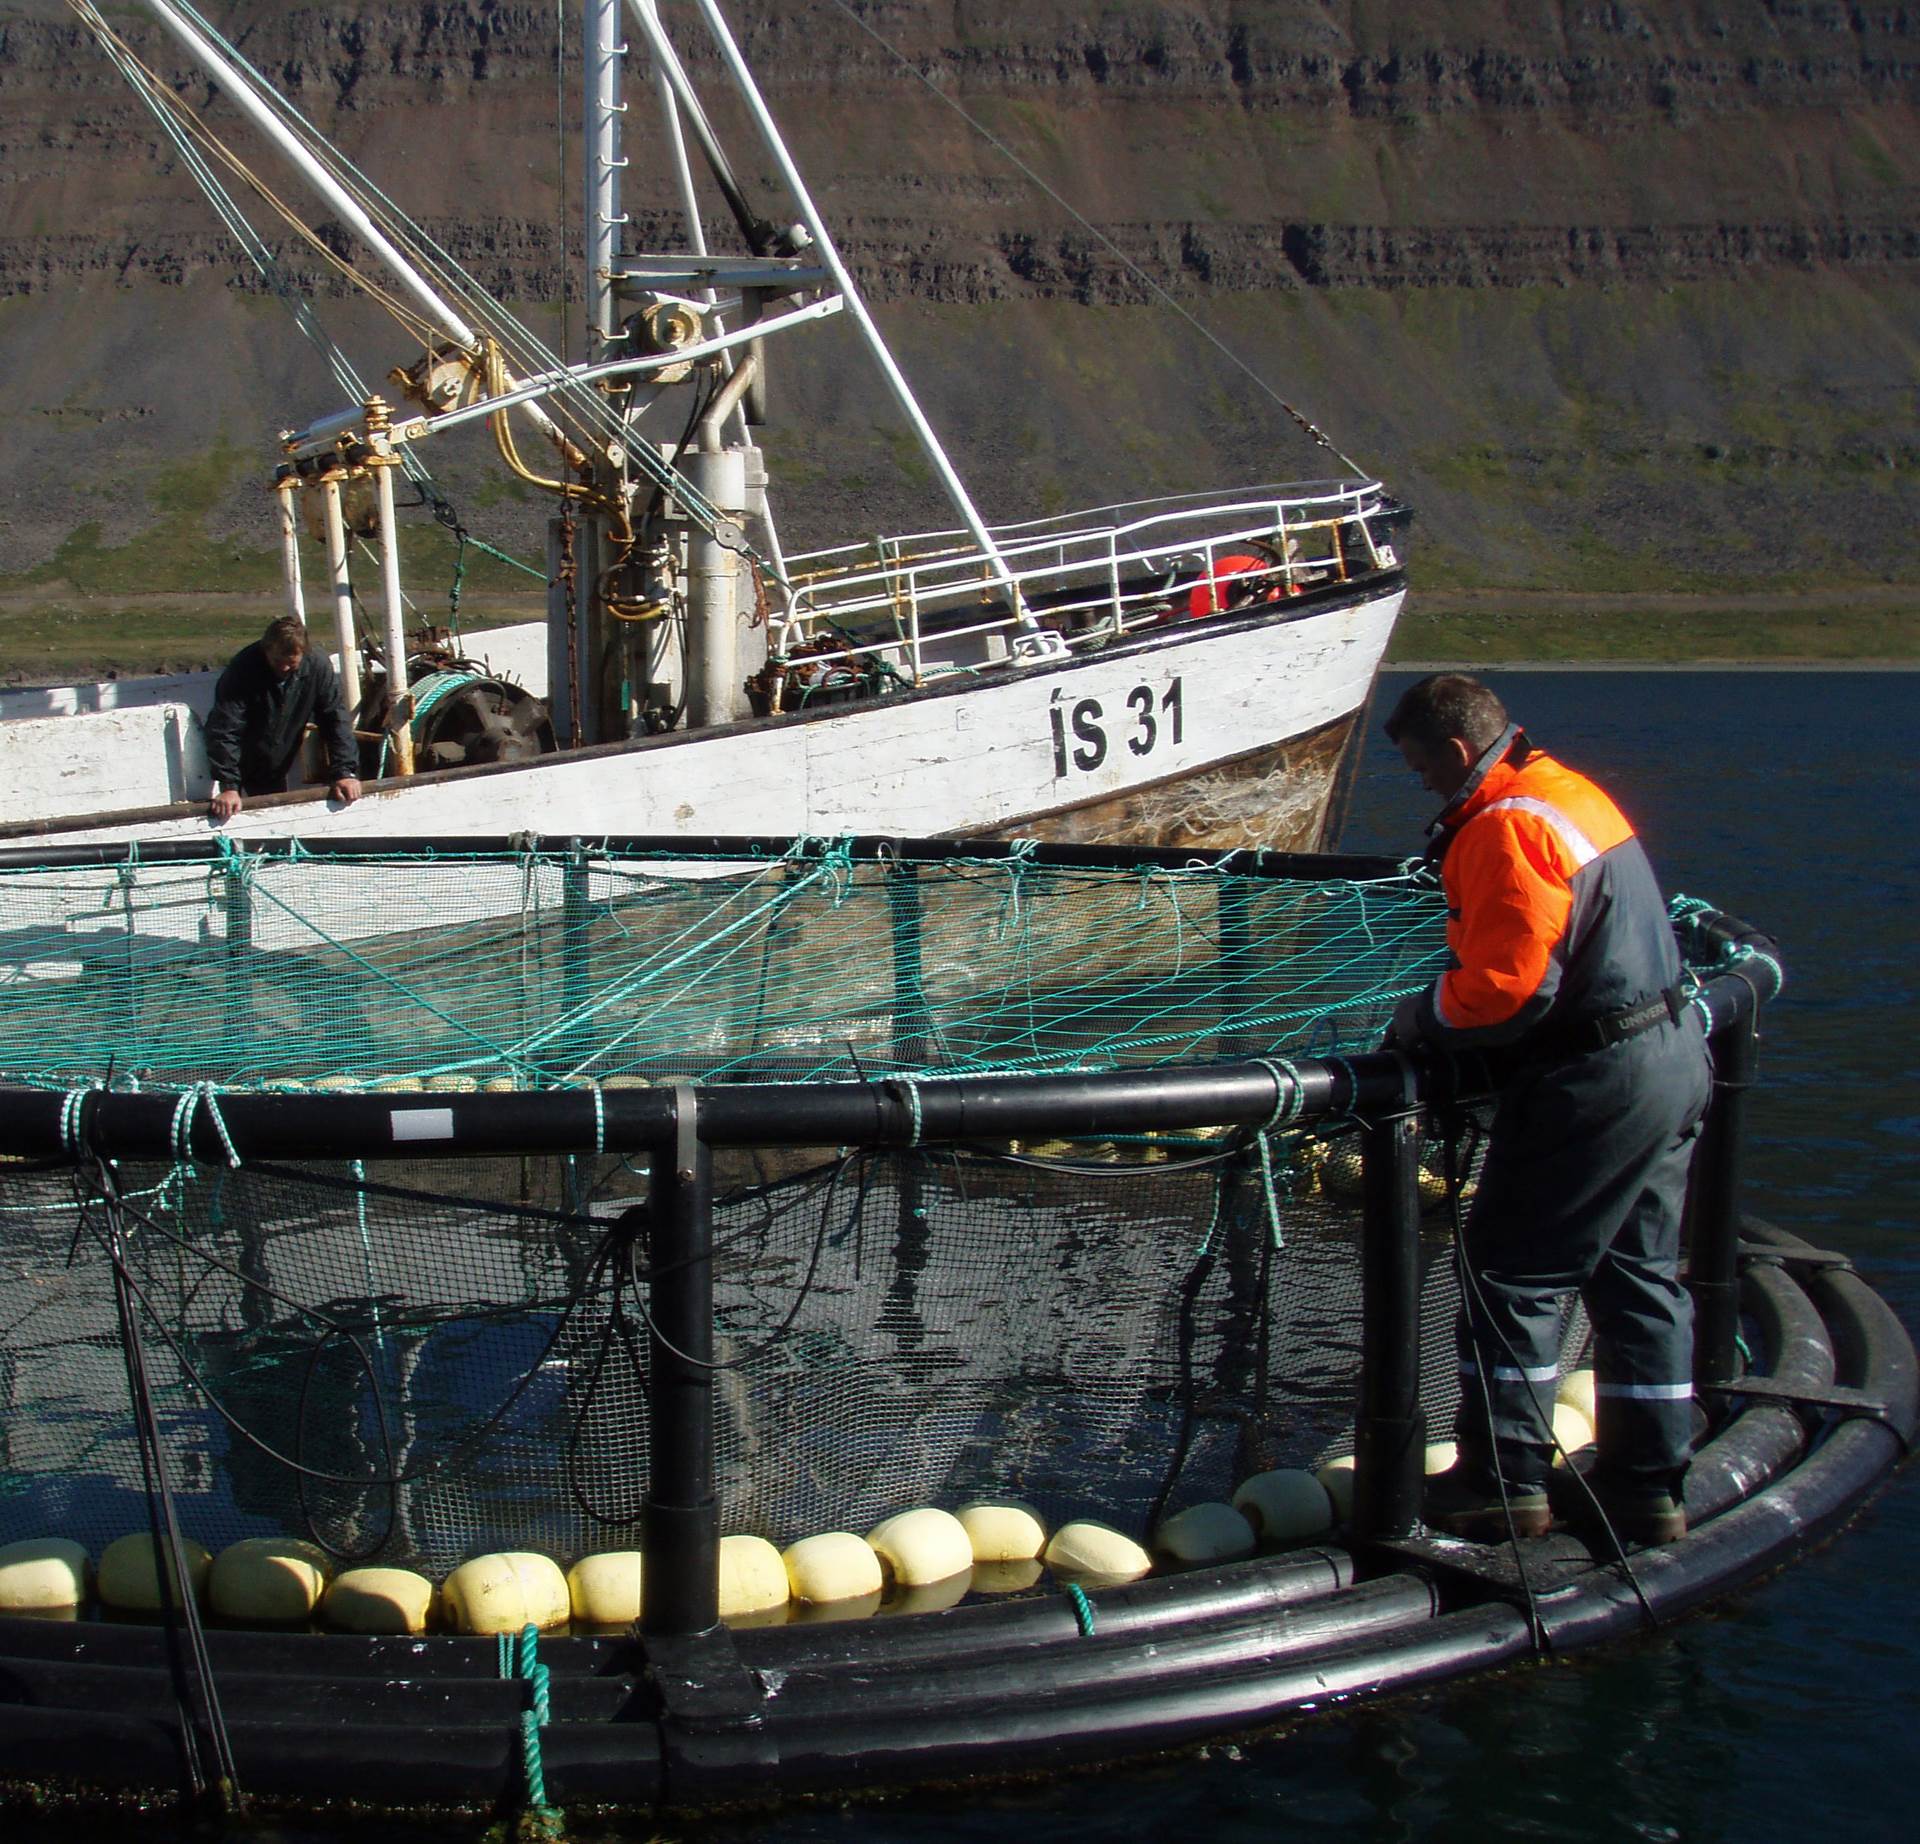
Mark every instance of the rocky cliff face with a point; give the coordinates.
(1612, 292)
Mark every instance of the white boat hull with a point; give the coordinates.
(1219, 733)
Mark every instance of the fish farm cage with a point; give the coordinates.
(543, 1325)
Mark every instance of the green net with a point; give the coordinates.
(537, 969)
(423, 1360)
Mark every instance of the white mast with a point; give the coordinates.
(242, 92)
(603, 51)
(896, 380)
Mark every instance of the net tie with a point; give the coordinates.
(72, 1105)
(1289, 1095)
(180, 1130)
(915, 1118)
(1017, 861)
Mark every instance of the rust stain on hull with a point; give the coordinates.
(1274, 799)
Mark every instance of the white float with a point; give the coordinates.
(1337, 1477)
(1206, 1533)
(1287, 1505)
(1088, 1548)
(753, 1579)
(607, 1589)
(43, 1575)
(272, 1579)
(1577, 1391)
(378, 1601)
(1002, 1533)
(1571, 1430)
(832, 1567)
(923, 1546)
(502, 1593)
(128, 1579)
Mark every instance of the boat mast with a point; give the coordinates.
(604, 163)
(829, 254)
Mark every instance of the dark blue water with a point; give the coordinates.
(1790, 1711)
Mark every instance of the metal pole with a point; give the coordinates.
(1713, 1208)
(896, 380)
(602, 55)
(342, 585)
(663, 54)
(1390, 1432)
(284, 491)
(713, 574)
(399, 706)
(682, 1518)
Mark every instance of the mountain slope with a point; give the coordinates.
(1616, 295)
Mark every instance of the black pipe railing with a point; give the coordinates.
(1734, 998)
(1713, 1203)
(858, 849)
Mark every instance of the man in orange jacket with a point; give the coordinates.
(1565, 971)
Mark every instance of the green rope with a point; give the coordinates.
(461, 539)
(503, 967)
(441, 686)
(1082, 1607)
(524, 1662)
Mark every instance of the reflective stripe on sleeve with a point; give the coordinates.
(1646, 1392)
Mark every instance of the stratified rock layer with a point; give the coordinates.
(1614, 293)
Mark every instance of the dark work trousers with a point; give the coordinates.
(1582, 1188)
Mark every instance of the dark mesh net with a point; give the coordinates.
(423, 1363)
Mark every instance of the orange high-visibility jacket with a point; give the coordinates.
(1552, 906)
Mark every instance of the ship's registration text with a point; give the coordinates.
(1084, 731)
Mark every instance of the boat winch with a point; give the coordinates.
(462, 717)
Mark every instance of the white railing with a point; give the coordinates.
(1090, 576)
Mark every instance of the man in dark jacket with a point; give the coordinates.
(1565, 970)
(267, 696)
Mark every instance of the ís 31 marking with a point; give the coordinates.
(1083, 732)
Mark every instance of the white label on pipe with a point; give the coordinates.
(423, 1123)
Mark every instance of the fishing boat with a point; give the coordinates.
(1179, 671)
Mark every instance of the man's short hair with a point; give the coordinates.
(286, 637)
(1448, 704)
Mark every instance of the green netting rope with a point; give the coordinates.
(531, 969)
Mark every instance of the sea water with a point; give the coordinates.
(1786, 1712)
